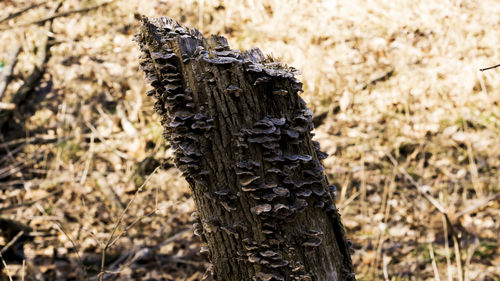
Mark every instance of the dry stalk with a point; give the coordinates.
(447, 247)
(89, 159)
(6, 267)
(458, 255)
(472, 167)
(434, 265)
(385, 261)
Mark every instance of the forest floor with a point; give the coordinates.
(411, 126)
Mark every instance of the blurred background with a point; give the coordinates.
(411, 126)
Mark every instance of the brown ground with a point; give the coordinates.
(408, 113)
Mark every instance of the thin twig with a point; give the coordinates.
(488, 68)
(385, 261)
(385, 76)
(114, 268)
(31, 140)
(20, 12)
(11, 242)
(16, 167)
(414, 183)
(75, 245)
(478, 205)
(118, 223)
(9, 153)
(140, 253)
(137, 220)
(128, 227)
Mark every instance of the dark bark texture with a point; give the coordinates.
(242, 139)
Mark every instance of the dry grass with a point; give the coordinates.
(409, 113)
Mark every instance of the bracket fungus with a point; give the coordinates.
(259, 209)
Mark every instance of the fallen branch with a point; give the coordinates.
(65, 14)
(38, 69)
(20, 12)
(9, 69)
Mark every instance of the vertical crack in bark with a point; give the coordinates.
(241, 136)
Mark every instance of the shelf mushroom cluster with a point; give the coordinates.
(184, 127)
(286, 182)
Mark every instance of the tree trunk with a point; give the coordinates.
(242, 139)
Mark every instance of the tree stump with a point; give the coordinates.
(242, 139)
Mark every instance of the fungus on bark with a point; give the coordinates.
(242, 138)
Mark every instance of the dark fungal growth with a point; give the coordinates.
(242, 138)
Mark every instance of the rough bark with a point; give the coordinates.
(242, 139)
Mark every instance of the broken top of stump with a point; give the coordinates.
(214, 49)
